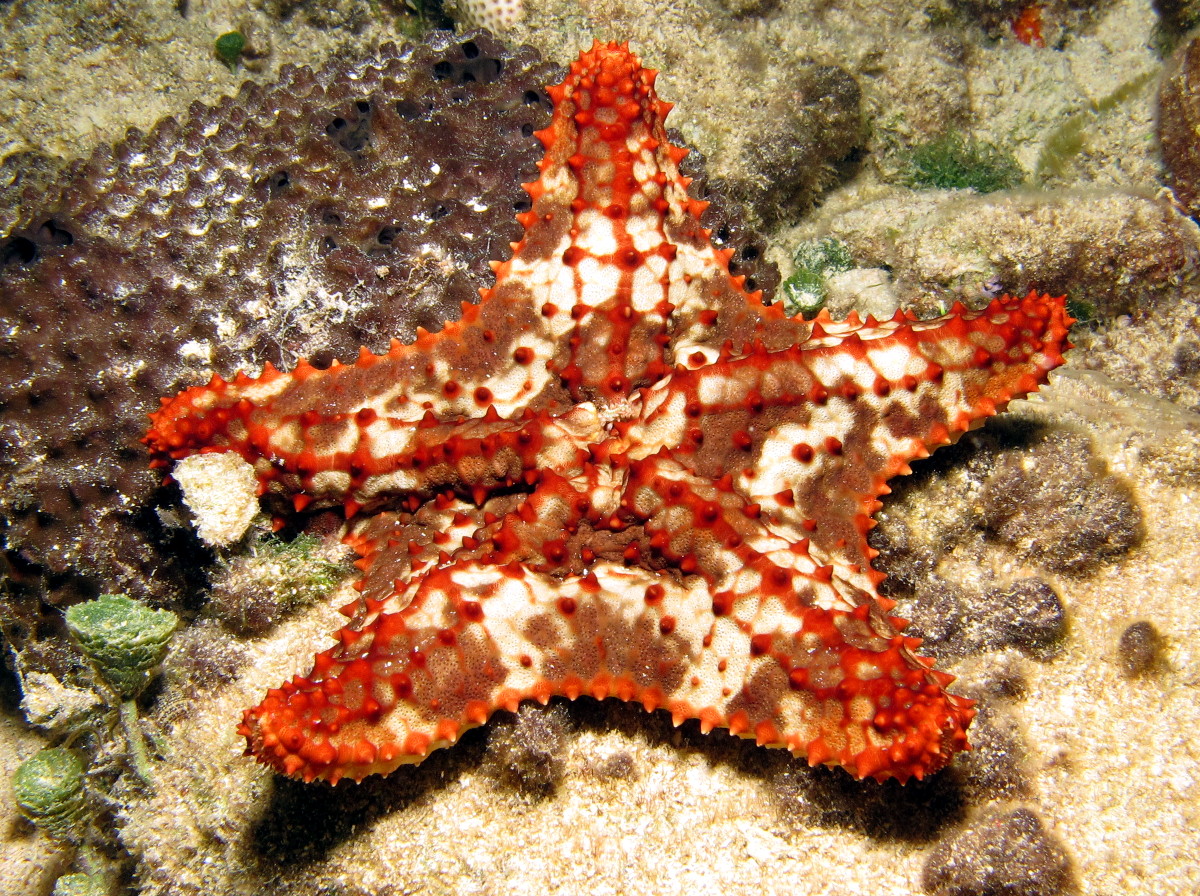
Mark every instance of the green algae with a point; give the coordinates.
(953, 161)
(814, 261)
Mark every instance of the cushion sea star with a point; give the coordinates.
(619, 474)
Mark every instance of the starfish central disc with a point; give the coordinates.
(619, 474)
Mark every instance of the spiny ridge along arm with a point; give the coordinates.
(888, 393)
(473, 638)
(813, 433)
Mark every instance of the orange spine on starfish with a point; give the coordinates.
(619, 475)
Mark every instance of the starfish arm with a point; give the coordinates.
(362, 458)
(477, 638)
(797, 657)
(812, 433)
(474, 638)
(394, 548)
(614, 254)
(496, 360)
(596, 256)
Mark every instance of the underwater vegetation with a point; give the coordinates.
(957, 162)
(229, 46)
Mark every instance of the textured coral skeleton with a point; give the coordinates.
(619, 475)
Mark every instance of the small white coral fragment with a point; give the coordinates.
(49, 704)
(221, 492)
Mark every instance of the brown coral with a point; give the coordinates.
(337, 208)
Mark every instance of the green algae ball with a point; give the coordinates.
(229, 47)
(815, 261)
(124, 639)
(48, 788)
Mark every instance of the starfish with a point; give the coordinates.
(618, 475)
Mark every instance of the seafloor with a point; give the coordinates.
(1049, 559)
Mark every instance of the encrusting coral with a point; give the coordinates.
(619, 474)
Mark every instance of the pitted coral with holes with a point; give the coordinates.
(619, 475)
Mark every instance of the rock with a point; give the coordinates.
(1003, 853)
(1057, 506)
(1119, 252)
(1139, 650)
